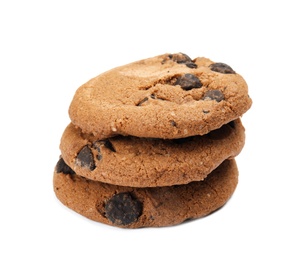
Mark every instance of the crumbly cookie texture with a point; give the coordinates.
(129, 207)
(149, 162)
(168, 96)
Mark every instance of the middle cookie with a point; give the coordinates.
(147, 162)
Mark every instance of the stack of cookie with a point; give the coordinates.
(152, 143)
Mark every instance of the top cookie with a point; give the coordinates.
(168, 96)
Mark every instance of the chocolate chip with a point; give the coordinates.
(222, 68)
(97, 146)
(85, 158)
(173, 123)
(214, 95)
(142, 101)
(109, 145)
(191, 65)
(105, 143)
(154, 96)
(188, 81)
(62, 167)
(182, 58)
(123, 209)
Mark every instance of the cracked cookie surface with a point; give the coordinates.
(129, 207)
(150, 162)
(168, 96)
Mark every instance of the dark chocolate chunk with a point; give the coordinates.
(123, 209)
(214, 95)
(222, 68)
(62, 167)
(188, 81)
(85, 158)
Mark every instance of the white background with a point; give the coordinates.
(49, 48)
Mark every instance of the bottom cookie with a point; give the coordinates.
(129, 207)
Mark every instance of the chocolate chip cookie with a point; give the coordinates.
(168, 96)
(129, 207)
(150, 162)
